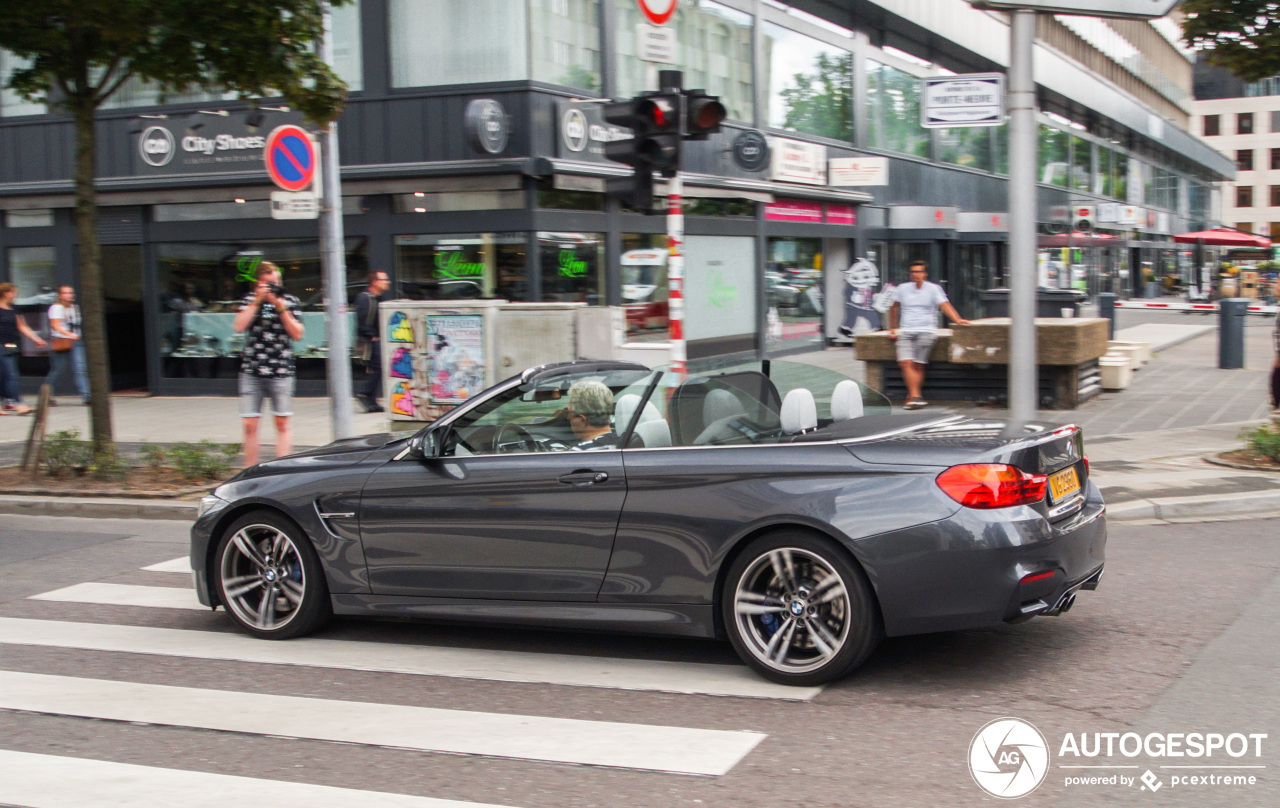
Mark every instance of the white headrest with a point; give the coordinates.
(799, 412)
(654, 433)
(720, 404)
(846, 401)
(625, 407)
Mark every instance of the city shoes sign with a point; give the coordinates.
(203, 144)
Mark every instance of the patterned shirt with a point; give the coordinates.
(268, 351)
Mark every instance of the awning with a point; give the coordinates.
(1224, 237)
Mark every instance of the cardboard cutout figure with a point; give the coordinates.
(863, 305)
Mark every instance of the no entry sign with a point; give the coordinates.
(657, 11)
(290, 157)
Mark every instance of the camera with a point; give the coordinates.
(276, 289)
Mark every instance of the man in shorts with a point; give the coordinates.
(915, 307)
(271, 324)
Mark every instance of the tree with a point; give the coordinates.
(1242, 36)
(79, 52)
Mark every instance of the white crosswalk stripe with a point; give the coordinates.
(153, 597)
(49, 781)
(181, 564)
(562, 740)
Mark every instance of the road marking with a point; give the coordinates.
(182, 565)
(48, 781)
(677, 750)
(695, 678)
(152, 597)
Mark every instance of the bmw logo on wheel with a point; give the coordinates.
(156, 146)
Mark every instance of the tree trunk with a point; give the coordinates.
(91, 298)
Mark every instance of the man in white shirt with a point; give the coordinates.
(915, 307)
(64, 326)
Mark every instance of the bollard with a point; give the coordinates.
(1231, 314)
(1107, 309)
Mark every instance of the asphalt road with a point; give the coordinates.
(1180, 638)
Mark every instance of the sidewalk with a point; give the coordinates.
(1145, 444)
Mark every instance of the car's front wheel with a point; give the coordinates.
(798, 610)
(269, 577)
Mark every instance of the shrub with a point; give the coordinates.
(64, 450)
(152, 456)
(204, 460)
(109, 466)
(1265, 440)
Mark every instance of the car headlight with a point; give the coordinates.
(207, 504)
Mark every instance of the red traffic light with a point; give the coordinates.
(704, 114)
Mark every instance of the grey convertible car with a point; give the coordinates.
(776, 504)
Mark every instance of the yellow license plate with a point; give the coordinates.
(1064, 483)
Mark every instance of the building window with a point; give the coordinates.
(31, 269)
(1244, 123)
(714, 52)
(1244, 159)
(572, 267)
(1081, 165)
(457, 201)
(1244, 196)
(793, 284)
(1275, 120)
(1275, 196)
(970, 146)
(644, 286)
(41, 217)
(893, 111)
(1212, 125)
(564, 42)
(1119, 176)
(1275, 231)
(458, 42)
(348, 61)
(810, 84)
(462, 267)
(1246, 227)
(10, 102)
(1275, 159)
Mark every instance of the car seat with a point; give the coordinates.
(799, 412)
(846, 401)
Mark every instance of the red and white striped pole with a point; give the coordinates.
(675, 273)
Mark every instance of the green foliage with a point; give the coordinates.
(65, 451)
(1241, 35)
(204, 460)
(109, 465)
(153, 456)
(1265, 441)
(820, 103)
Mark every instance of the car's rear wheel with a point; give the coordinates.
(798, 610)
(269, 577)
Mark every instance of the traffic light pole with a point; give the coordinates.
(1023, 373)
(675, 272)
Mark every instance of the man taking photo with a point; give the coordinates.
(915, 306)
(270, 318)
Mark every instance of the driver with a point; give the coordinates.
(590, 406)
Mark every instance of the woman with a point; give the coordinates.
(11, 325)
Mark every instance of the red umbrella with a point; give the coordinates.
(1224, 237)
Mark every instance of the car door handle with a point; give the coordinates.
(584, 477)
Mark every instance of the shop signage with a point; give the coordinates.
(751, 151)
(1130, 215)
(487, 126)
(201, 144)
(975, 99)
(1162, 222)
(656, 44)
(922, 217)
(797, 161)
(156, 146)
(1108, 213)
(294, 205)
(841, 214)
(450, 264)
(657, 11)
(583, 133)
(849, 172)
(979, 222)
(790, 210)
(291, 157)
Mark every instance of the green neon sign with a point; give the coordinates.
(570, 266)
(247, 268)
(449, 265)
(720, 293)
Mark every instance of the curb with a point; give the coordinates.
(1253, 504)
(87, 508)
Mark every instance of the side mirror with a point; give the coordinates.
(423, 445)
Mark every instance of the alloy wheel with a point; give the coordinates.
(263, 578)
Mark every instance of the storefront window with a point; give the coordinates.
(458, 42)
(644, 286)
(906, 252)
(462, 267)
(561, 199)
(572, 267)
(969, 147)
(202, 285)
(1054, 156)
(565, 42)
(42, 217)
(422, 202)
(1081, 164)
(810, 84)
(31, 269)
(893, 110)
(793, 285)
(714, 53)
(1119, 176)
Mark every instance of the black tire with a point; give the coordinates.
(837, 624)
(269, 578)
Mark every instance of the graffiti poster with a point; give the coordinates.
(863, 305)
(456, 348)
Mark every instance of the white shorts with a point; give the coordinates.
(253, 389)
(914, 346)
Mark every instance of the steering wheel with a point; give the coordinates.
(519, 437)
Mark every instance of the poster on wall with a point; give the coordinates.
(456, 349)
(864, 306)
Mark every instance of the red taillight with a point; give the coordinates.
(1086, 467)
(992, 485)
(1038, 576)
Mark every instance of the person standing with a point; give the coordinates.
(1275, 364)
(12, 325)
(368, 344)
(269, 319)
(68, 347)
(915, 308)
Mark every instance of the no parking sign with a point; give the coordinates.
(291, 157)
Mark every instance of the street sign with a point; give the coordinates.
(655, 43)
(1125, 9)
(975, 99)
(657, 11)
(290, 157)
(290, 205)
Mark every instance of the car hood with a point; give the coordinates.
(340, 452)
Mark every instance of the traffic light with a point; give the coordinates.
(703, 114)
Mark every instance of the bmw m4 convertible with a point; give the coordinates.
(775, 504)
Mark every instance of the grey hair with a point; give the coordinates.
(592, 399)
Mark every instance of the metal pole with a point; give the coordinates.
(334, 263)
(1022, 220)
(675, 272)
